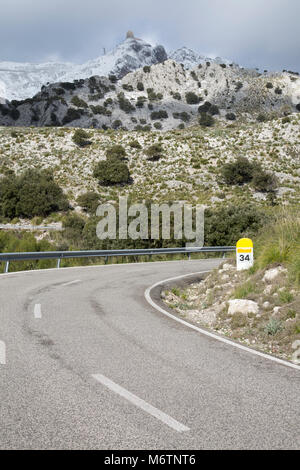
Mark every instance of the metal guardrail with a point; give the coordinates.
(59, 255)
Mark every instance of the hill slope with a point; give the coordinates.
(162, 96)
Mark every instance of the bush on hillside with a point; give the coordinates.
(116, 151)
(89, 201)
(72, 115)
(206, 120)
(224, 226)
(192, 98)
(185, 117)
(135, 144)
(154, 152)
(238, 172)
(33, 193)
(125, 104)
(80, 138)
(230, 117)
(112, 172)
(140, 86)
(243, 171)
(78, 102)
(176, 96)
(161, 114)
(264, 182)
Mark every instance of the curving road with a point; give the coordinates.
(91, 365)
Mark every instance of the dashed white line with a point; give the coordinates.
(37, 311)
(70, 283)
(160, 415)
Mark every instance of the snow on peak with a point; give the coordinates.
(191, 59)
(19, 81)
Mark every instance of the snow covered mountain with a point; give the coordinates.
(23, 80)
(19, 81)
(161, 97)
(190, 59)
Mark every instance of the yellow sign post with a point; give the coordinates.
(244, 254)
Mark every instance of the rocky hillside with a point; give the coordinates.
(259, 307)
(163, 96)
(189, 167)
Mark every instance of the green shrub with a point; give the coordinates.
(116, 151)
(230, 117)
(264, 181)
(177, 96)
(153, 96)
(238, 86)
(161, 114)
(273, 327)
(238, 172)
(147, 69)
(117, 124)
(89, 201)
(278, 91)
(192, 98)
(80, 138)
(158, 125)
(185, 117)
(269, 85)
(154, 152)
(140, 86)
(135, 144)
(73, 226)
(206, 120)
(205, 107)
(261, 118)
(72, 115)
(127, 87)
(224, 226)
(78, 102)
(33, 193)
(112, 172)
(125, 104)
(100, 110)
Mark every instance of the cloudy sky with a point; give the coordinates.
(256, 33)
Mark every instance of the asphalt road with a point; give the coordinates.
(91, 365)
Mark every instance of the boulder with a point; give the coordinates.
(242, 306)
(273, 273)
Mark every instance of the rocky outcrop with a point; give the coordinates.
(163, 96)
(242, 306)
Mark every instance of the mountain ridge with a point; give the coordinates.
(19, 81)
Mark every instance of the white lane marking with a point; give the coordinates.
(70, 283)
(160, 415)
(208, 333)
(37, 311)
(2, 353)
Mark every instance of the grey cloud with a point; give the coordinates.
(250, 32)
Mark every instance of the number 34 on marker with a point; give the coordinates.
(244, 254)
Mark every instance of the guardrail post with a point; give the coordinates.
(58, 263)
(6, 267)
(189, 256)
(106, 259)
